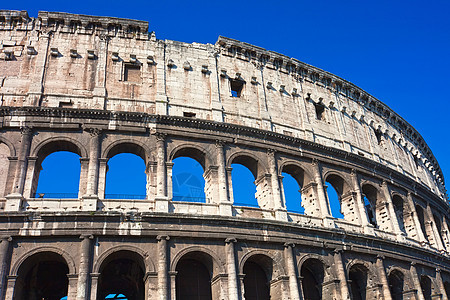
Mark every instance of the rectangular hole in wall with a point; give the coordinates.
(189, 114)
(236, 87)
(132, 73)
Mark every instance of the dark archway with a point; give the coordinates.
(370, 194)
(447, 289)
(421, 217)
(358, 281)
(312, 273)
(257, 274)
(398, 203)
(193, 281)
(425, 284)
(122, 273)
(396, 281)
(43, 276)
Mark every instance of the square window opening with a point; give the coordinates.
(236, 87)
(132, 73)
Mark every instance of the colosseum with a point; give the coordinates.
(100, 86)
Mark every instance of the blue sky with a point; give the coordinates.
(398, 51)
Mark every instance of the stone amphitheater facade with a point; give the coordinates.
(101, 86)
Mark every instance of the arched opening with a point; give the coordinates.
(122, 276)
(193, 280)
(57, 171)
(421, 217)
(398, 203)
(336, 188)
(188, 183)
(358, 276)
(312, 273)
(294, 180)
(437, 221)
(425, 285)
(126, 173)
(447, 288)
(257, 275)
(396, 281)
(370, 195)
(4, 166)
(42, 276)
(243, 177)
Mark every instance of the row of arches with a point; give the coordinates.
(130, 174)
(122, 275)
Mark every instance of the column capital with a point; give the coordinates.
(220, 143)
(315, 161)
(93, 131)
(354, 172)
(230, 240)
(6, 238)
(163, 237)
(160, 137)
(271, 151)
(26, 130)
(380, 257)
(86, 236)
(438, 270)
(289, 245)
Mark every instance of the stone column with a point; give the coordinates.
(14, 200)
(416, 281)
(391, 211)
(278, 205)
(241, 286)
(289, 260)
(224, 202)
(340, 270)
(103, 168)
(440, 284)
(83, 273)
(94, 285)
(173, 283)
(72, 288)
(233, 292)
(383, 278)
(4, 259)
(420, 234)
(99, 92)
(163, 285)
(323, 202)
(230, 184)
(91, 197)
(360, 202)
(161, 199)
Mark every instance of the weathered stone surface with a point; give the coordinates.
(100, 86)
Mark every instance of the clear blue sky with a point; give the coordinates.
(398, 51)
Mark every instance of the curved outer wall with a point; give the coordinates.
(100, 86)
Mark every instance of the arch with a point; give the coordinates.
(343, 195)
(426, 286)
(447, 288)
(149, 265)
(312, 271)
(193, 280)
(296, 170)
(196, 152)
(338, 181)
(66, 256)
(127, 146)
(42, 275)
(256, 280)
(277, 267)
(396, 282)
(10, 145)
(48, 146)
(358, 274)
(399, 207)
(190, 182)
(122, 272)
(371, 197)
(250, 161)
(217, 263)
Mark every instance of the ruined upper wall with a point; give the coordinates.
(77, 61)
